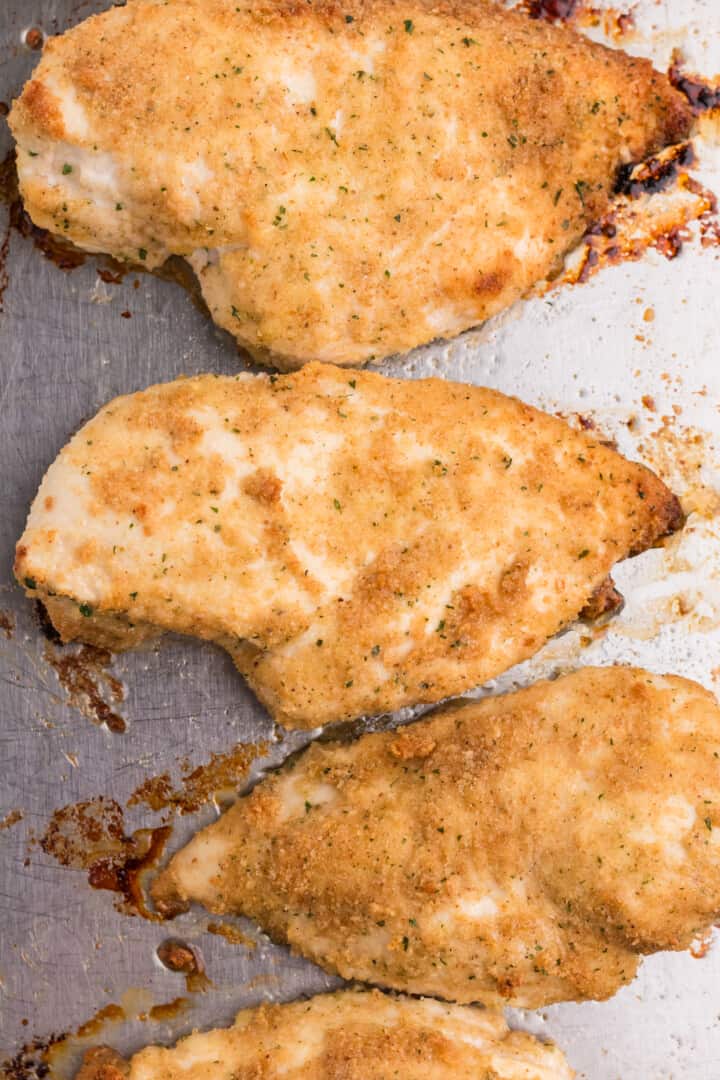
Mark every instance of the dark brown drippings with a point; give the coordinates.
(7, 623)
(83, 673)
(180, 957)
(658, 173)
(701, 94)
(224, 772)
(4, 108)
(68, 257)
(631, 226)
(31, 1062)
(91, 836)
(550, 10)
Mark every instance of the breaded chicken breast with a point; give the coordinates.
(357, 543)
(350, 1035)
(524, 849)
(348, 181)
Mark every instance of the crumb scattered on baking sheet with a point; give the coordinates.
(222, 774)
(231, 933)
(11, 819)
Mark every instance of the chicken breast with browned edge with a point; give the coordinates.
(357, 543)
(347, 180)
(524, 849)
(351, 1035)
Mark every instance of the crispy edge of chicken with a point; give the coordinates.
(524, 849)
(348, 181)
(336, 1036)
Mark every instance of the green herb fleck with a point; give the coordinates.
(708, 824)
(67, 169)
(581, 186)
(584, 553)
(86, 610)
(142, 252)
(337, 504)
(409, 26)
(30, 583)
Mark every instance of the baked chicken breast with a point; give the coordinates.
(348, 181)
(525, 849)
(357, 543)
(351, 1035)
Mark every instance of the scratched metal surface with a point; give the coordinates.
(64, 351)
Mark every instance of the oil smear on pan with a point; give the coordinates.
(57, 1056)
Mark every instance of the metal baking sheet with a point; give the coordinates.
(635, 349)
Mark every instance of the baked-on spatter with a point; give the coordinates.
(525, 849)
(357, 543)
(350, 1035)
(347, 180)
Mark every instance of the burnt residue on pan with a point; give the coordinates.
(655, 205)
(701, 93)
(614, 23)
(91, 836)
(84, 674)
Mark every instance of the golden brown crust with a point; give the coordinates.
(349, 181)
(523, 849)
(102, 1063)
(339, 1036)
(357, 543)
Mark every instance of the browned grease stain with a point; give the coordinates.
(222, 773)
(91, 836)
(169, 1010)
(7, 623)
(108, 1014)
(182, 958)
(11, 819)
(84, 675)
(231, 933)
